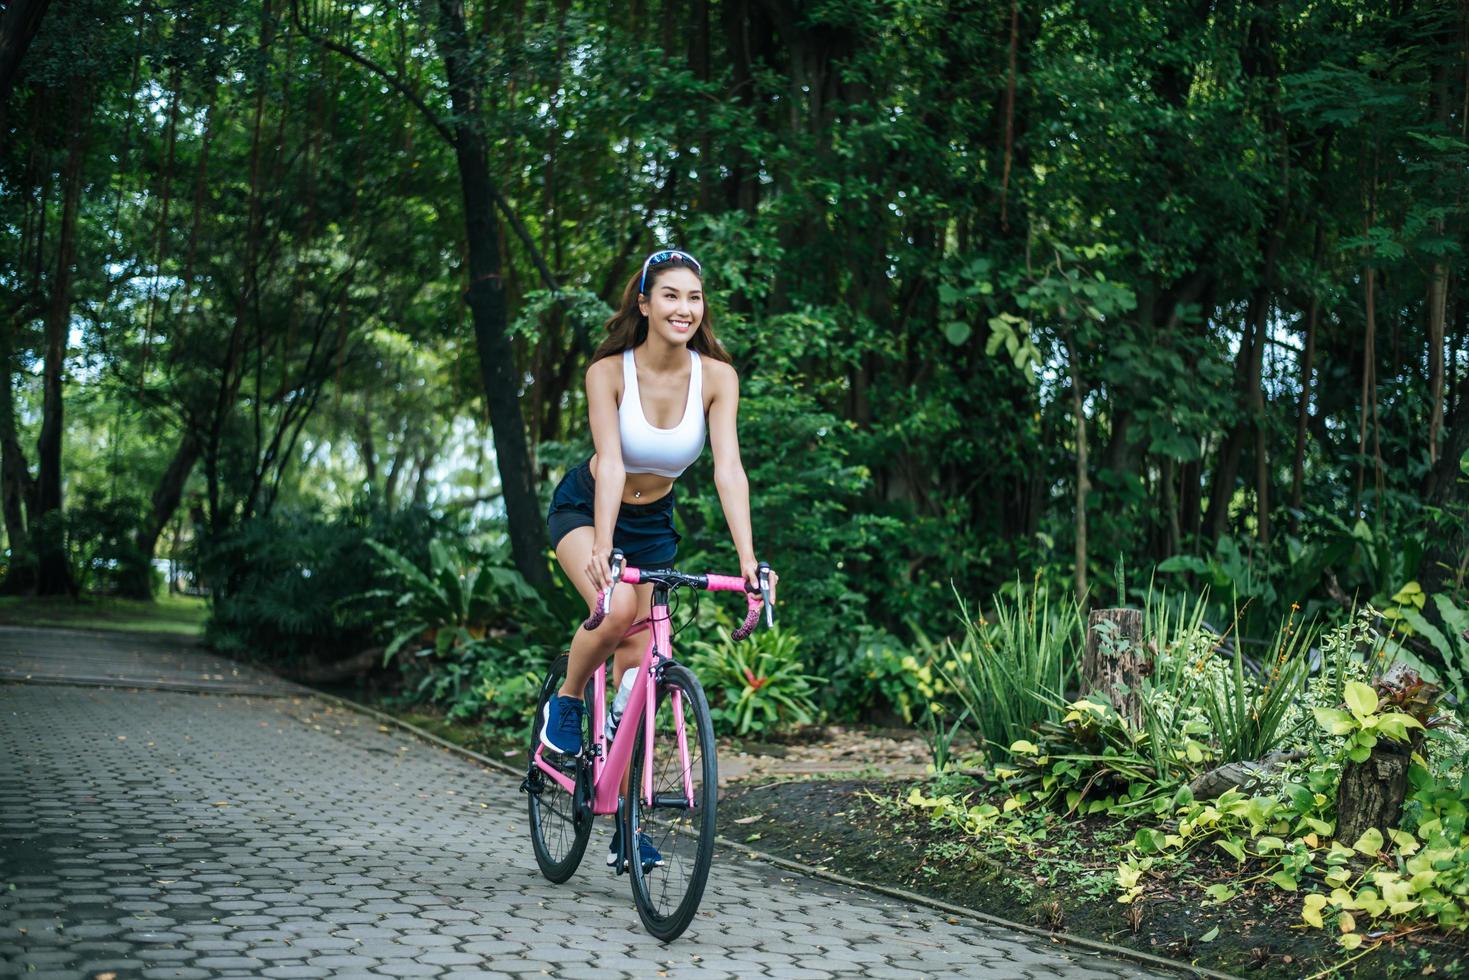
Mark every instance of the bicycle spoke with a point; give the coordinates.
(555, 837)
(678, 819)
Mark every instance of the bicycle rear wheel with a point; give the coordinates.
(679, 819)
(559, 826)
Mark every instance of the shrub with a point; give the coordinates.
(1011, 674)
(879, 676)
(454, 602)
(289, 588)
(755, 686)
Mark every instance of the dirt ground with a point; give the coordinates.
(851, 826)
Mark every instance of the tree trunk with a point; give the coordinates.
(1167, 480)
(1369, 383)
(1438, 292)
(53, 571)
(1260, 424)
(19, 23)
(1308, 358)
(16, 486)
(1083, 484)
(1116, 660)
(486, 296)
(1371, 793)
(166, 497)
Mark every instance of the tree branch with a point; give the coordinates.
(523, 233)
(397, 83)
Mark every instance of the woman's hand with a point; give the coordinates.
(750, 570)
(599, 567)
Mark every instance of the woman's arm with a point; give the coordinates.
(611, 476)
(729, 472)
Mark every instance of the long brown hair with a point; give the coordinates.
(629, 328)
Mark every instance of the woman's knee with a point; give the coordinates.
(624, 610)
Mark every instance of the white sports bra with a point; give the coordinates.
(649, 449)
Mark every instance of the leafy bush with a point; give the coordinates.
(1449, 638)
(454, 603)
(484, 682)
(471, 636)
(289, 588)
(880, 675)
(1418, 871)
(1011, 674)
(805, 500)
(756, 686)
(101, 531)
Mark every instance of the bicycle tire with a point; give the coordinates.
(667, 897)
(557, 836)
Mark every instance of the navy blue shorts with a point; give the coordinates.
(644, 532)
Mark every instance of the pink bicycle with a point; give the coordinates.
(665, 734)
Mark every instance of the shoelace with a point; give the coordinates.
(571, 720)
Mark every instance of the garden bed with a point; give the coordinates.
(1066, 882)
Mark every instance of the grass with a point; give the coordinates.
(177, 614)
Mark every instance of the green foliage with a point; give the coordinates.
(1250, 718)
(1412, 873)
(1086, 762)
(1362, 723)
(491, 683)
(289, 589)
(453, 602)
(879, 674)
(1449, 637)
(107, 560)
(757, 686)
(807, 507)
(1010, 674)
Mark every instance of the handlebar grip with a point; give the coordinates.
(752, 619)
(604, 599)
(598, 614)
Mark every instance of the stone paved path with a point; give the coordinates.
(164, 833)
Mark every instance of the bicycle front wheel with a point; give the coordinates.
(559, 827)
(678, 817)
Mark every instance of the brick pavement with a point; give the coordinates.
(163, 833)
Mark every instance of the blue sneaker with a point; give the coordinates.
(561, 731)
(648, 854)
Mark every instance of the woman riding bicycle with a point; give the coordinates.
(650, 387)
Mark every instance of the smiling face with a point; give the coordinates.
(674, 304)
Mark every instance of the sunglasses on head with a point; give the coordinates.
(658, 258)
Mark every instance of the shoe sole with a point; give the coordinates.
(612, 863)
(546, 739)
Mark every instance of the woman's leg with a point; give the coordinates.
(592, 647)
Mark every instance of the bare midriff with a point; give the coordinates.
(639, 488)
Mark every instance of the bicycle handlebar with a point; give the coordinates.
(755, 598)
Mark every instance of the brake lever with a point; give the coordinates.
(616, 561)
(764, 579)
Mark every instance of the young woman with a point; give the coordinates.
(650, 388)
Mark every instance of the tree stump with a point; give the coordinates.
(1115, 661)
(1371, 793)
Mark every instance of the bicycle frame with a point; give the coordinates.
(609, 764)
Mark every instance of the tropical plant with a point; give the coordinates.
(758, 685)
(1362, 721)
(1086, 762)
(1011, 673)
(299, 587)
(1250, 716)
(1449, 637)
(879, 675)
(454, 603)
